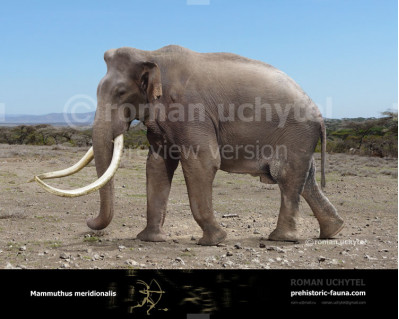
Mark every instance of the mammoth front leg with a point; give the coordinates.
(159, 173)
(199, 174)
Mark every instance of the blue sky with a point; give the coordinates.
(344, 54)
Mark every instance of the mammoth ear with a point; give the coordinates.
(150, 81)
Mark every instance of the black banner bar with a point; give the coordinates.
(198, 294)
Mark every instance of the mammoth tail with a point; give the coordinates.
(323, 137)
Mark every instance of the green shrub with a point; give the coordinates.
(45, 134)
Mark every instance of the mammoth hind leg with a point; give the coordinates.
(286, 229)
(329, 220)
(291, 178)
(290, 181)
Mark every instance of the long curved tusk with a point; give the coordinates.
(86, 159)
(104, 179)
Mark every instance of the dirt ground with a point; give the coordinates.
(40, 230)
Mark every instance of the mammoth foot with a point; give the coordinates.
(212, 237)
(283, 235)
(152, 235)
(331, 228)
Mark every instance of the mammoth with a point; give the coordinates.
(207, 111)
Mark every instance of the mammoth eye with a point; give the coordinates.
(121, 92)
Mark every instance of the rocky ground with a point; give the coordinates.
(39, 230)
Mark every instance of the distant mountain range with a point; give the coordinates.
(56, 119)
(86, 119)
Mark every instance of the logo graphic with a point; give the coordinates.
(152, 295)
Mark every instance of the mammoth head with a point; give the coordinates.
(130, 70)
(132, 79)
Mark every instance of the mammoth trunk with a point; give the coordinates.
(103, 152)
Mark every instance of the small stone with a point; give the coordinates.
(229, 215)
(210, 259)
(175, 241)
(121, 247)
(179, 260)
(96, 257)
(193, 238)
(64, 256)
(321, 259)
(22, 248)
(228, 263)
(119, 256)
(369, 258)
(278, 249)
(229, 254)
(131, 262)
(256, 232)
(238, 246)
(334, 262)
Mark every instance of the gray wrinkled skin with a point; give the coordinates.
(177, 75)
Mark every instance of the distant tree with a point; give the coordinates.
(360, 129)
(391, 122)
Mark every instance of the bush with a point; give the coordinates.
(49, 135)
(371, 137)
